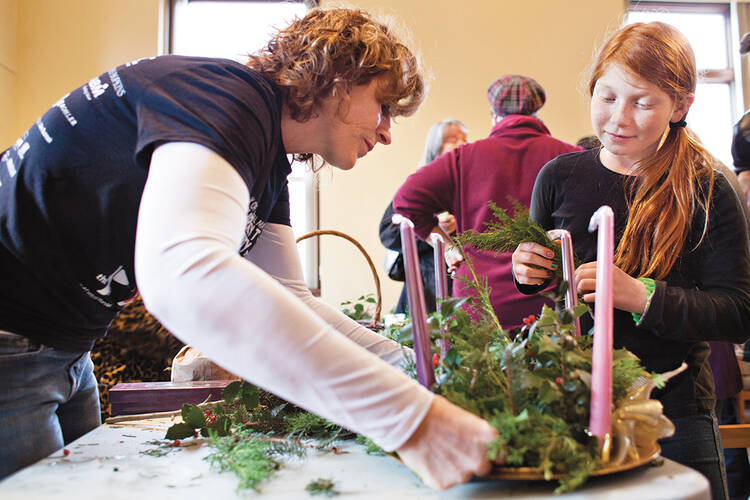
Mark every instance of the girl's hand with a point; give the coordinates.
(532, 263)
(628, 294)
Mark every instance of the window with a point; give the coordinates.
(707, 28)
(233, 29)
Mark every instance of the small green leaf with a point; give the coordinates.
(180, 431)
(250, 396)
(232, 391)
(193, 416)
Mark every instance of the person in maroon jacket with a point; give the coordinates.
(464, 180)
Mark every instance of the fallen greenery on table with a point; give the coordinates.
(252, 432)
(322, 486)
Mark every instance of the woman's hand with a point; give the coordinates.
(628, 294)
(449, 447)
(532, 263)
(453, 258)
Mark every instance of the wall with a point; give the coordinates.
(64, 43)
(464, 46)
(8, 70)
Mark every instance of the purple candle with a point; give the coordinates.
(441, 283)
(600, 419)
(566, 246)
(417, 308)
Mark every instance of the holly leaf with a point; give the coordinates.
(180, 431)
(193, 416)
(546, 344)
(232, 391)
(250, 396)
(220, 426)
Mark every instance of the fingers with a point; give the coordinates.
(449, 447)
(585, 281)
(447, 222)
(453, 259)
(533, 264)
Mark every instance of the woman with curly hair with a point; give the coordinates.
(170, 172)
(682, 266)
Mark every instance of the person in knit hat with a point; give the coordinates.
(465, 179)
(515, 95)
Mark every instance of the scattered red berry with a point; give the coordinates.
(66, 452)
(176, 442)
(435, 359)
(558, 381)
(528, 320)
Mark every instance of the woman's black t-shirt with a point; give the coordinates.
(71, 186)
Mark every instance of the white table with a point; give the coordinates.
(108, 463)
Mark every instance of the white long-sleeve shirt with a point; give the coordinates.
(254, 316)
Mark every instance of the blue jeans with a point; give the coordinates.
(48, 398)
(697, 444)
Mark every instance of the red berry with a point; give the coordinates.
(176, 442)
(558, 381)
(435, 359)
(244, 421)
(66, 452)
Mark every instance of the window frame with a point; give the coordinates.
(731, 74)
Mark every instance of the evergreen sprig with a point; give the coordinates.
(506, 232)
(322, 486)
(251, 459)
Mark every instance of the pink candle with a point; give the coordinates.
(566, 247)
(441, 283)
(600, 420)
(417, 308)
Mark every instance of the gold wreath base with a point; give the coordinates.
(646, 454)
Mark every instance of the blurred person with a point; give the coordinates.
(442, 137)
(464, 180)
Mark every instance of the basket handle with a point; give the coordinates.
(378, 306)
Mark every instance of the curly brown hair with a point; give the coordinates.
(329, 51)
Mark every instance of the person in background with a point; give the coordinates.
(468, 177)
(443, 136)
(682, 263)
(171, 172)
(741, 139)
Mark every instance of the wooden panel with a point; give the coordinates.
(146, 397)
(735, 436)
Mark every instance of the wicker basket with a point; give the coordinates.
(374, 323)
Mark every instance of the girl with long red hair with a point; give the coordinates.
(682, 267)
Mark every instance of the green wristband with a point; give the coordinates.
(650, 287)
